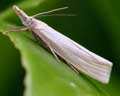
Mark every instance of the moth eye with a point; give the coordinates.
(28, 21)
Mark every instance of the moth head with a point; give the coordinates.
(26, 20)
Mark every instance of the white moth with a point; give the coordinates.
(74, 54)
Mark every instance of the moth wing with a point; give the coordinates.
(76, 55)
(93, 65)
(82, 59)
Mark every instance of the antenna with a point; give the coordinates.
(49, 15)
(54, 10)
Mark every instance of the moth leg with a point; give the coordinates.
(53, 52)
(23, 28)
(46, 45)
(73, 68)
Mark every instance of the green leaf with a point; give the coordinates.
(44, 73)
(44, 76)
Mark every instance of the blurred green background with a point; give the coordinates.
(96, 27)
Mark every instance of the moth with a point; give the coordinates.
(74, 54)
